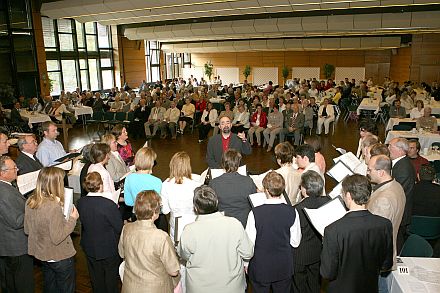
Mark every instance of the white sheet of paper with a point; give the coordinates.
(218, 172)
(259, 198)
(68, 202)
(66, 166)
(349, 159)
(339, 171)
(115, 195)
(258, 179)
(337, 191)
(325, 215)
(27, 182)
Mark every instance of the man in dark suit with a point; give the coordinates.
(219, 143)
(404, 173)
(426, 194)
(293, 124)
(16, 117)
(141, 114)
(98, 103)
(307, 255)
(27, 161)
(357, 246)
(16, 266)
(233, 189)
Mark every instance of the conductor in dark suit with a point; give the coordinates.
(403, 172)
(16, 266)
(306, 277)
(101, 225)
(233, 189)
(357, 247)
(27, 161)
(219, 143)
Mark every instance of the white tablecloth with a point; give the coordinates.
(369, 105)
(425, 139)
(431, 156)
(396, 121)
(82, 110)
(424, 276)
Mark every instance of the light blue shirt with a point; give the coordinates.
(136, 182)
(49, 151)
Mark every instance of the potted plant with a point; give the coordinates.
(209, 69)
(329, 69)
(247, 71)
(285, 73)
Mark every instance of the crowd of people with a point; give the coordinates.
(227, 237)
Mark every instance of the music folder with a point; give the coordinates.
(67, 157)
(259, 198)
(339, 171)
(326, 214)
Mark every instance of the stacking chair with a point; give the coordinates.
(416, 246)
(402, 127)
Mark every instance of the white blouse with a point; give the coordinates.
(107, 181)
(415, 113)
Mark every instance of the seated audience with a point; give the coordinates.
(101, 226)
(274, 127)
(124, 147)
(426, 194)
(273, 224)
(178, 190)
(156, 117)
(427, 122)
(294, 124)
(214, 247)
(241, 120)
(16, 118)
(170, 119)
(414, 156)
(100, 155)
(307, 255)
(149, 254)
(358, 244)
(258, 123)
(232, 188)
(326, 115)
(396, 110)
(49, 231)
(207, 121)
(117, 105)
(418, 111)
(186, 115)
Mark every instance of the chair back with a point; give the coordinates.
(120, 116)
(416, 246)
(402, 127)
(437, 143)
(426, 227)
(109, 115)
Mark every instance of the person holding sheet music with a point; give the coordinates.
(116, 165)
(101, 226)
(26, 160)
(50, 149)
(15, 263)
(359, 245)
(275, 228)
(306, 278)
(387, 200)
(178, 189)
(49, 231)
(232, 188)
(215, 247)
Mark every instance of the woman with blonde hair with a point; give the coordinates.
(49, 231)
(178, 190)
(116, 165)
(150, 257)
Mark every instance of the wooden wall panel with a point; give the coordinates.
(41, 53)
(400, 65)
(132, 61)
(425, 52)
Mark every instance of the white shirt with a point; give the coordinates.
(107, 195)
(415, 113)
(397, 160)
(107, 182)
(29, 155)
(295, 230)
(177, 199)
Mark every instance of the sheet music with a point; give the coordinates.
(66, 166)
(27, 182)
(337, 191)
(180, 223)
(326, 214)
(68, 202)
(258, 179)
(115, 195)
(218, 172)
(339, 171)
(259, 198)
(349, 159)
(339, 150)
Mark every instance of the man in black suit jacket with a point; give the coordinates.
(16, 266)
(27, 161)
(97, 103)
(233, 189)
(426, 194)
(141, 114)
(16, 117)
(357, 246)
(219, 143)
(307, 255)
(404, 173)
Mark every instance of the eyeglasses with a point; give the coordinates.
(15, 168)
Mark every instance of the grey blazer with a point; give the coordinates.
(13, 241)
(116, 168)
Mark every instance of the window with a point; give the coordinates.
(175, 62)
(152, 60)
(78, 55)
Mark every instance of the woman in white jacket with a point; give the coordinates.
(326, 115)
(208, 120)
